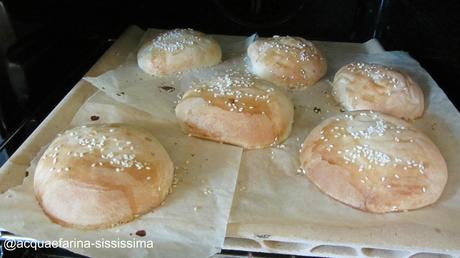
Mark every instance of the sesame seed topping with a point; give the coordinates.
(380, 74)
(369, 154)
(118, 153)
(207, 191)
(299, 49)
(301, 171)
(177, 40)
(233, 90)
(364, 155)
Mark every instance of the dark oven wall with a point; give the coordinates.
(430, 32)
(47, 46)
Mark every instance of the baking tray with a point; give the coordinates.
(316, 240)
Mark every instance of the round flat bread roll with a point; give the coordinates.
(289, 62)
(100, 176)
(374, 162)
(178, 50)
(238, 111)
(361, 86)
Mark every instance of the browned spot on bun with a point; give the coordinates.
(168, 88)
(141, 233)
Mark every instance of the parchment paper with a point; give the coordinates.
(273, 202)
(191, 223)
(273, 197)
(193, 218)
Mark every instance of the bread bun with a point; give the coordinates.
(178, 50)
(361, 86)
(289, 62)
(374, 162)
(99, 176)
(238, 111)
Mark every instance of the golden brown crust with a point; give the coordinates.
(252, 116)
(290, 62)
(361, 86)
(99, 176)
(374, 162)
(178, 50)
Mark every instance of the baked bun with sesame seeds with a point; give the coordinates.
(103, 175)
(240, 111)
(374, 162)
(178, 50)
(362, 86)
(289, 62)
